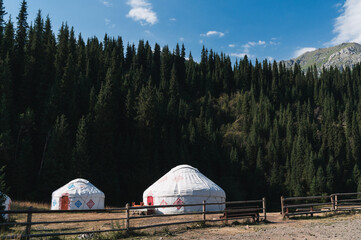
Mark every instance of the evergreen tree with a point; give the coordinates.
(3, 192)
(2, 25)
(57, 159)
(81, 154)
(20, 57)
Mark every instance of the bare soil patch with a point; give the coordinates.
(335, 227)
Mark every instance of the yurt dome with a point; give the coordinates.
(7, 204)
(78, 194)
(184, 184)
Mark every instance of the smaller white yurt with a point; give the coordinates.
(78, 194)
(184, 184)
(7, 205)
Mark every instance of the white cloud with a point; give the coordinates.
(241, 55)
(109, 23)
(248, 45)
(347, 26)
(274, 43)
(301, 51)
(270, 59)
(172, 19)
(106, 3)
(141, 10)
(338, 6)
(231, 45)
(257, 43)
(181, 39)
(212, 33)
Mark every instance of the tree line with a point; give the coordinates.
(122, 115)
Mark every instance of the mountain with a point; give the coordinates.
(340, 56)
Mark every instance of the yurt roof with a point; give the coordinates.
(184, 180)
(78, 187)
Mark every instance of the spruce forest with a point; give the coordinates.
(123, 114)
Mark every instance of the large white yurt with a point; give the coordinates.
(7, 205)
(78, 194)
(184, 184)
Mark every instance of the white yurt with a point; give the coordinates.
(7, 205)
(184, 184)
(78, 194)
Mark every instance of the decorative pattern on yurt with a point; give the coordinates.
(184, 184)
(78, 194)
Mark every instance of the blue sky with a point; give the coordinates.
(273, 29)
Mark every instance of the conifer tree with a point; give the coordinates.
(2, 25)
(57, 159)
(81, 154)
(3, 191)
(19, 57)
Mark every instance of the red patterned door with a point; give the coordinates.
(64, 203)
(150, 201)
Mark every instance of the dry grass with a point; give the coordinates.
(24, 205)
(98, 225)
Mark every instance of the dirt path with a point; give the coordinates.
(337, 227)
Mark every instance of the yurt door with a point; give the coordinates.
(150, 201)
(64, 203)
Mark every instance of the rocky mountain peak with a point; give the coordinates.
(340, 56)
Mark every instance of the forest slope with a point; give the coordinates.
(122, 115)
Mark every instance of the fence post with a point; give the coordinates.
(28, 226)
(282, 207)
(204, 211)
(127, 216)
(332, 202)
(335, 202)
(264, 208)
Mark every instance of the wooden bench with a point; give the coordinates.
(310, 210)
(241, 212)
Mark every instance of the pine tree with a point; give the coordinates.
(33, 67)
(146, 101)
(23, 164)
(331, 175)
(57, 157)
(62, 51)
(3, 191)
(2, 25)
(233, 155)
(19, 61)
(8, 42)
(81, 154)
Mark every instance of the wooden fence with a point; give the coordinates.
(336, 202)
(255, 209)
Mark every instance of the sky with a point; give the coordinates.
(262, 29)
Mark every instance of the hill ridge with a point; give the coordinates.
(340, 56)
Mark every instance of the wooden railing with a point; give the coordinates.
(346, 201)
(127, 215)
(320, 204)
(31, 213)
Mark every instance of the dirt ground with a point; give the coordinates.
(319, 227)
